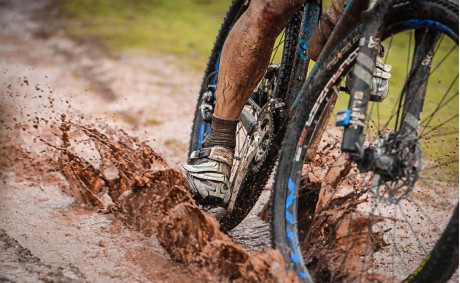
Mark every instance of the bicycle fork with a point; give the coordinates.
(354, 119)
(369, 45)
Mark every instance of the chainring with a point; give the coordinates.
(265, 132)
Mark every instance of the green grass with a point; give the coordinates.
(184, 28)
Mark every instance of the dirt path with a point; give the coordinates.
(44, 236)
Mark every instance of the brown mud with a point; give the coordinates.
(83, 200)
(335, 221)
(136, 184)
(44, 74)
(27, 267)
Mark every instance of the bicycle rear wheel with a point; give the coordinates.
(334, 223)
(258, 121)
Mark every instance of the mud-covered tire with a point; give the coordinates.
(254, 182)
(440, 15)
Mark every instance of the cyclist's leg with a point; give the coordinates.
(245, 57)
(247, 51)
(326, 24)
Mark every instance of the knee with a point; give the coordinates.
(273, 12)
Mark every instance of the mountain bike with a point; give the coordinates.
(262, 118)
(373, 197)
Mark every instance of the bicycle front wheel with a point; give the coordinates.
(336, 223)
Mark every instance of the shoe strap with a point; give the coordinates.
(211, 176)
(216, 153)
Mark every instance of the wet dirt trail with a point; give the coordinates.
(90, 187)
(63, 101)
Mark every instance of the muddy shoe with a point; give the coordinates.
(208, 173)
(379, 88)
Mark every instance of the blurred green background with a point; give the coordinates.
(185, 28)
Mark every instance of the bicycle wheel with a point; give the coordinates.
(260, 118)
(335, 223)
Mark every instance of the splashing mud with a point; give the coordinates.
(336, 222)
(128, 178)
(44, 74)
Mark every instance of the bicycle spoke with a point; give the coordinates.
(349, 248)
(412, 230)
(239, 158)
(389, 49)
(238, 146)
(440, 105)
(396, 109)
(453, 161)
(438, 180)
(395, 247)
(430, 117)
(427, 216)
(275, 49)
(440, 125)
(443, 59)
(378, 117)
(369, 119)
(440, 135)
(369, 240)
(445, 200)
(408, 54)
(439, 44)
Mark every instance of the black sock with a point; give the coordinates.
(223, 133)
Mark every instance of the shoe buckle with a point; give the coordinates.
(201, 153)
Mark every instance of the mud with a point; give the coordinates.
(335, 223)
(100, 230)
(135, 183)
(29, 268)
(82, 199)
